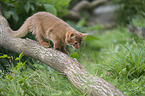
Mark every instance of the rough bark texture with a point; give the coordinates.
(74, 14)
(59, 61)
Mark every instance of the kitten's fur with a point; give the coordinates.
(47, 26)
(137, 30)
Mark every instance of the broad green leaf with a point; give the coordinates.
(7, 14)
(90, 38)
(10, 4)
(32, 7)
(66, 2)
(12, 13)
(50, 8)
(15, 15)
(61, 2)
(82, 22)
(46, 1)
(27, 6)
(75, 55)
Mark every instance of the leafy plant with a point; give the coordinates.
(41, 81)
(60, 5)
(16, 11)
(5, 56)
(75, 55)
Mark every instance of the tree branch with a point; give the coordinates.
(74, 14)
(59, 61)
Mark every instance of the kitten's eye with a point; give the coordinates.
(71, 35)
(75, 43)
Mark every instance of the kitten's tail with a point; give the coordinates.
(22, 31)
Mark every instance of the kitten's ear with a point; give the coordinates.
(83, 34)
(71, 35)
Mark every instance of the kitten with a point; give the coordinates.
(137, 30)
(47, 26)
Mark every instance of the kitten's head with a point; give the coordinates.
(75, 39)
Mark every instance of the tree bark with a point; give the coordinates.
(59, 61)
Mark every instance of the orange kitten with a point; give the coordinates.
(47, 26)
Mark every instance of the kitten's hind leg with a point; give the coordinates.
(40, 37)
(46, 44)
(42, 41)
(39, 34)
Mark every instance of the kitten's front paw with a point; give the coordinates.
(66, 52)
(46, 45)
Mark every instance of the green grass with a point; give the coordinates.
(119, 58)
(43, 81)
(115, 55)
